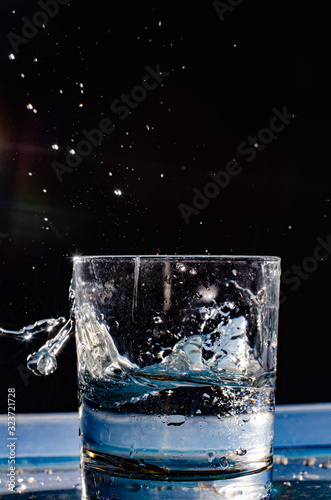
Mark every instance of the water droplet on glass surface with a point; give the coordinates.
(175, 420)
(20, 488)
(210, 456)
(223, 462)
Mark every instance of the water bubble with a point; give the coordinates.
(11, 57)
(223, 462)
(279, 459)
(29, 106)
(34, 111)
(157, 320)
(118, 192)
(310, 461)
(72, 151)
(241, 452)
(210, 456)
(55, 146)
(22, 75)
(326, 465)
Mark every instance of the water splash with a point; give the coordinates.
(43, 362)
(30, 331)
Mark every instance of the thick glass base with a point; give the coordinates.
(98, 485)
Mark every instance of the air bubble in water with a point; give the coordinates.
(241, 452)
(157, 320)
(12, 57)
(118, 192)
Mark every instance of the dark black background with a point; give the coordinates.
(225, 79)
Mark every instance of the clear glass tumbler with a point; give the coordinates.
(176, 373)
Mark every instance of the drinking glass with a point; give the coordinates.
(176, 373)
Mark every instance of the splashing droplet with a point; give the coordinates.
(43, 362)
(41, 326)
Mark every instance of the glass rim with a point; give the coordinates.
(237, 258)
